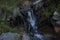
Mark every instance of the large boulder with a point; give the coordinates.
(55, 20)
(9, 36)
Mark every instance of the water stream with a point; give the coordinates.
(32, 20)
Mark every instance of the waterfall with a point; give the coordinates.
(32, 20)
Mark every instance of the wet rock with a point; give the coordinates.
(25, 36)
(9, 36)
(55, 20)
(16, 11)
(56, 16)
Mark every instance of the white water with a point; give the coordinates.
(32, 21)
(31, 18)
(39, 36)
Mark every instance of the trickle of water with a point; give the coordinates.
(32, 21)
(31, 18)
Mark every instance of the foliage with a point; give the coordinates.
(8, 5)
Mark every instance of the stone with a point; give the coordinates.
(9, 36)
(25, 36)
(55, 20)
(56, 16)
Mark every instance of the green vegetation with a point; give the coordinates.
(7, 6)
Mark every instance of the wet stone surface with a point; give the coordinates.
(9, 36)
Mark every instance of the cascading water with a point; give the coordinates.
(32, 20)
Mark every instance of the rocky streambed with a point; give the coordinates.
(14, 36)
